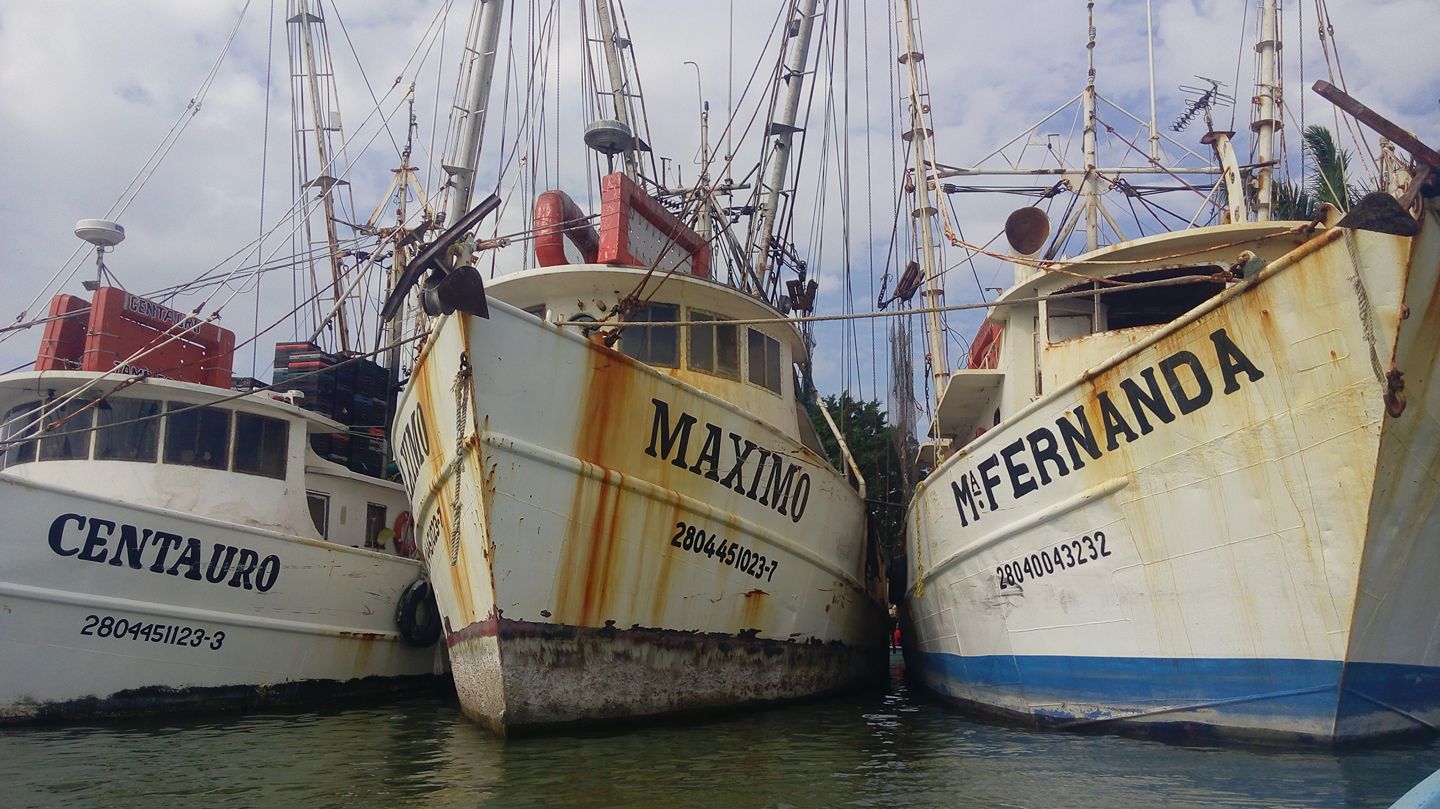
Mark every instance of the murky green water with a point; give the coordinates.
(882, 749)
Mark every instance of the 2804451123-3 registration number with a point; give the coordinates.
(110, 626)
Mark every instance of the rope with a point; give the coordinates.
(1118, 286)
(147, 169)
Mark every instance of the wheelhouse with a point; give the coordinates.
(696, 339)
(1050, 327)
(192, 448)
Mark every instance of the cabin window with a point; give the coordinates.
(1118, 308)
(374, 524)
(658, 345)
(129, 430)
(19, 423)
(714, 349)
(197, 436)
(764, 360)
(1068, 318)
(261, 445)
(319, 512)
(71, 439)
(1159, 305)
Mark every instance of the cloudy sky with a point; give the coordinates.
(92, 89)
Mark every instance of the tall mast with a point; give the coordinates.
(480, 49)
(1090, 186)
(1150, 56)
(403, 180)
(783, 130)
(919, 137)
(703, 184)
(610, 45)
(324, 183)
(1266, 96)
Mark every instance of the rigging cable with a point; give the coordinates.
(147, 169)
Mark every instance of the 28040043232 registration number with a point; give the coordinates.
(109, 626)
(1063, 556)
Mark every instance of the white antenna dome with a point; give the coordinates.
(609, 137)
(100, 232)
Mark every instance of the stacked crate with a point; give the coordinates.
(353, 391)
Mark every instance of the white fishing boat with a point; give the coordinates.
(624, 507)
(172, 544)
(181, 539)
(1186, 482)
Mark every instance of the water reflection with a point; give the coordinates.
(880, 749)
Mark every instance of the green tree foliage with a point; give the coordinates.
(871, 444)
(1324, 182)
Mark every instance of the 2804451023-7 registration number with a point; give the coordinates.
(691, 537)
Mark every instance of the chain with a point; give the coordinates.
(462, 412)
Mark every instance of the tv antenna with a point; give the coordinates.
(1203, 99)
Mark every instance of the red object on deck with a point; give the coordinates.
(620, 198)
(985, 348)
(557, 218)
(64, 339)
(120, 325)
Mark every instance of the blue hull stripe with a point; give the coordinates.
(1326, 699)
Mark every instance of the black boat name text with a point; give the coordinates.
(975, 490)
(786, 488)
(89, 539)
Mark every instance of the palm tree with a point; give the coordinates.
(1324, 182)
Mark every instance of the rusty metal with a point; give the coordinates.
(1394, 393)
(1384, 126)
(1026, 229)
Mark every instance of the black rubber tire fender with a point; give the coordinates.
(417, 615)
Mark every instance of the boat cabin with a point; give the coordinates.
(1027, 348)
(191, 448)
(641, 249)
(748, 365)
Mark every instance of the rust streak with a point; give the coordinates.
(595, 519)
(754, 609)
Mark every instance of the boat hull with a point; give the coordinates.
(589, 563)
(1247, 548)
(111, 609)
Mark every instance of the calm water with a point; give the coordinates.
(882, 749)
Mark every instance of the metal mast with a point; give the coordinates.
(308, 75)
(1266, 98)
(703, 184)
(610, 45)
(1150, 57)
(919, 136)
(402, 184)
(480, 47)
(783, 130)
(1090, 185)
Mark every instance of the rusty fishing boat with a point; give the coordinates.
(1186, 482)
(622, 502)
